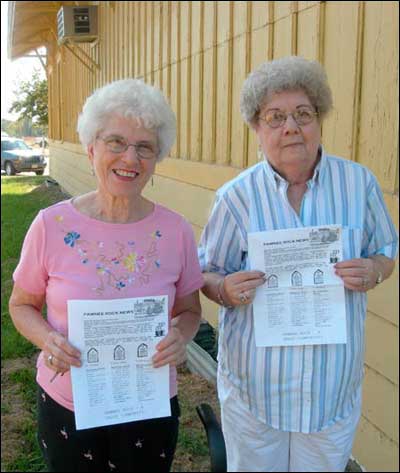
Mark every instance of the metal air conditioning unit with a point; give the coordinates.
(77, 24)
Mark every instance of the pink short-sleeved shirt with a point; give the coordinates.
(68, 255)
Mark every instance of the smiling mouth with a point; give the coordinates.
(124, 173)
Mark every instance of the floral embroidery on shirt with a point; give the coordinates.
(71, 238)
(117, 266)
(63, 432)
(88, 455)
(138, 443)
(130, 261)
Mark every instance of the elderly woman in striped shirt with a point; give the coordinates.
(292, 408)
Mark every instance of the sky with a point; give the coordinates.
(12, 70)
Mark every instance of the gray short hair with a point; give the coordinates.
(130, 98)
(288, 73)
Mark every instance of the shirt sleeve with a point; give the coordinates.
(381, 234)
(191, 278)
(220, 250)
(31, 274)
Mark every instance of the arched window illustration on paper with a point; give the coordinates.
(297, 280)
(318, 277)
(272, 280)
(93, 355)
(119, 353)
(142, 350)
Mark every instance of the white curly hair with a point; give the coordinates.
(130, 98)
(287, 73)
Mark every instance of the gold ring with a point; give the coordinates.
(243, 297)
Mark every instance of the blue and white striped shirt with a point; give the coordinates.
(297, 388)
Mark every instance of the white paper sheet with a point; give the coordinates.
(302, 301)
(116, 382)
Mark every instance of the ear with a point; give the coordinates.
(90, 153)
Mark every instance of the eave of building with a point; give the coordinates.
(32, 25)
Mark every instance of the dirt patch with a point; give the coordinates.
(52, 189)
(196, 389)
(14, 414)
(192, 451)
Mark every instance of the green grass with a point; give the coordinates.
(25, 378)
(192, 441)
(21, 200)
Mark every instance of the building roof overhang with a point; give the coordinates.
(32, 25)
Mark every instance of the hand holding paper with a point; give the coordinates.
(242, 283)
(171, 350)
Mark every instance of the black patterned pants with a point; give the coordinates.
(147, 445)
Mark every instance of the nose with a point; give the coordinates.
(130, 155)
(290, 125)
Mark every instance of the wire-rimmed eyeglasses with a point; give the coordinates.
(118, 144)
(276, 118)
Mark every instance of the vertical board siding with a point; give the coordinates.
(341, 22)
(199, 54)
(378, 118)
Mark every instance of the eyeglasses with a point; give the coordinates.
(117, 144)
(276, 118)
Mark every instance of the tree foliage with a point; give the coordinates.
(31, 100)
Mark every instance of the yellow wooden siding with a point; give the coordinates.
(373, 448)
(199, 54)
(384, 413)
(379, 123)
(382, 351)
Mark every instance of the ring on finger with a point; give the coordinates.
(243, 297)
(50, 359)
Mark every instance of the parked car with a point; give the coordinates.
(17, 156)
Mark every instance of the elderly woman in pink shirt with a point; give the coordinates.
(111, 243)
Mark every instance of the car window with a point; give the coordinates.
(11, 145)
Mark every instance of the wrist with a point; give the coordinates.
(378, 271)
(221, 295)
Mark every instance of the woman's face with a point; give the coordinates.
(123, 173)
(289, 147)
